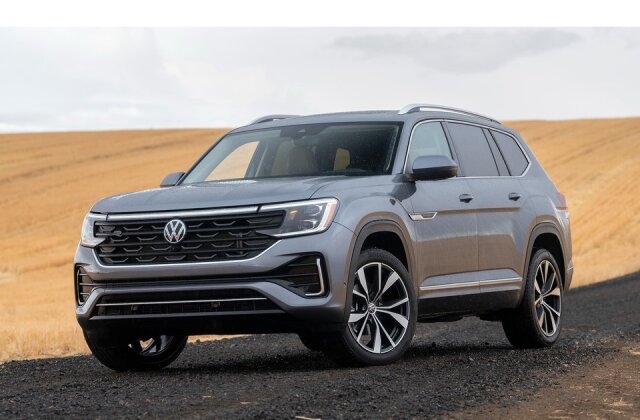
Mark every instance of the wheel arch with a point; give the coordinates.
(377, 229)
(387, 235)
(546, 235)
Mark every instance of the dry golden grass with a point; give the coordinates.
(596, 164)
(49, 181)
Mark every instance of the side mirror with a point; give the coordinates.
(430, 168)
(171, 179)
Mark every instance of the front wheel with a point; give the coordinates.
(382, 317)
(314, 342)
(148, 353)
(537, 321)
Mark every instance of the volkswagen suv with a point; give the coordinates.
(346, 229)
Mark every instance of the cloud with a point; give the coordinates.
(107, 78)
(461, 51)
(57, 78)
(630, 37)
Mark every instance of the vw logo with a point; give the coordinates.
(175, 231)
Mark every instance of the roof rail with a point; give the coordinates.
(425, 107)
(269, 118)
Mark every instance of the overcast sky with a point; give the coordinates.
(88, 79)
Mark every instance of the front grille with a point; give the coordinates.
(185, 302)
(208, 238)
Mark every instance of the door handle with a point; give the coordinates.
(465, 198)
(514, 196)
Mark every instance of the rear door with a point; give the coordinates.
(512, 196)
(497, 201)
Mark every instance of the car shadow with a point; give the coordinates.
(303, 360)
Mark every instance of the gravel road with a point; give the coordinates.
(454, 370)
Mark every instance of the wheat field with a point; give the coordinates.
(48, 181)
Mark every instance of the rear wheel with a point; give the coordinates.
(538, 320)
(148, 353)
(382, 314)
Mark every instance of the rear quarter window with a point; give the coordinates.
(497, 155)
(512, 153)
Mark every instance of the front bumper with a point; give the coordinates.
(569, 274)
(291, 311)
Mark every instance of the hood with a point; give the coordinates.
(213, 195)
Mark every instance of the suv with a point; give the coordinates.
(344, 228)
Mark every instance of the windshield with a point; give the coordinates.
(357, 149)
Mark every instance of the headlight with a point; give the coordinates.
(87, 238)
(303, 217)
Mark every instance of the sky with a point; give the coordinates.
(97, 79)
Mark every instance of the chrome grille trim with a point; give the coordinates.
(320, 279)
(176, 302)
(83, 286)
(180, 302)
(119, 217)
(185, 265)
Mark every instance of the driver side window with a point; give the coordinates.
(428, 140)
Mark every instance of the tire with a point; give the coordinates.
(138, 355)
(537, 321)
(382, 313)
(314, 342)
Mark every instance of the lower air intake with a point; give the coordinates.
(188, 302)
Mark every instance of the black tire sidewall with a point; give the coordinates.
(119, 357)
(529, 297)
(313, 342)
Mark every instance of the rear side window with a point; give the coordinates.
(473, 150)
(428, 139)
(497, 155)
(513, 155)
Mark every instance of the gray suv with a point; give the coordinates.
(346, 229)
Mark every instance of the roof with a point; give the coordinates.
(409, 114)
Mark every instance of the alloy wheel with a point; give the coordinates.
(379, 309)
(547, 298)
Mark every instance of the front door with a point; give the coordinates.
(446, 228)
(444, 223)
